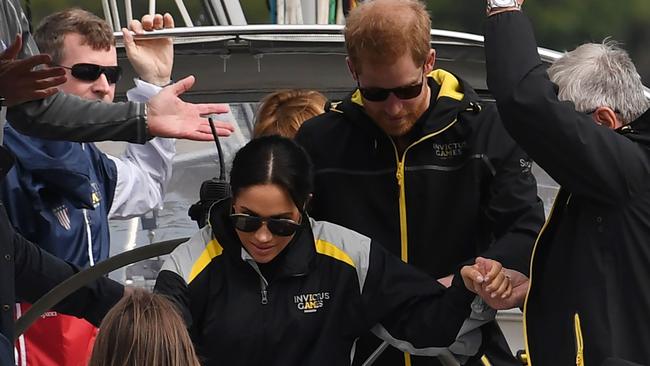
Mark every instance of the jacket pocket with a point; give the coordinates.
(580, 359)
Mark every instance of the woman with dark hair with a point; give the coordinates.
(263, 284)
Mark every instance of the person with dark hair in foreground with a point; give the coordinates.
(586, 122)
(143, 329)
(264, 284)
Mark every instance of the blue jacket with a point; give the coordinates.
(56, 191)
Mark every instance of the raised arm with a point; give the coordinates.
(585, 158)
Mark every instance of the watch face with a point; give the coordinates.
(503, 3)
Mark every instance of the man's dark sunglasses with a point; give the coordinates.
(249, 224)
(381, 94)
(92, 72)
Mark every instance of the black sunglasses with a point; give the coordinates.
(92, 72)
(248, 224)
(402, 92)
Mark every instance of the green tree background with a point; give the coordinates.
(560, 24)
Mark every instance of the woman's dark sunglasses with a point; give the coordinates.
(92, 72)
(381, 94)
(248, 224)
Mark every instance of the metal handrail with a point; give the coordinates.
(310, 33)
(315, 32)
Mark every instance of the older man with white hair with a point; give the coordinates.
(586, 122)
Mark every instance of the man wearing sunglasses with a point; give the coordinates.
(415, 159)
(61, 194)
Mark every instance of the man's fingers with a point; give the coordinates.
(493, 267)
(136, 26)
(157, 21)
(147, 22)
(212, 108)
(49, 82)
(50, 72)
(222, 128)
(168, 21)
(129, 42)
(31, 62)
(220, 125)
(184, 85)
(503, 286)
(202, 136)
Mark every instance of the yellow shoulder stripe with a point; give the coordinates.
(212, 250)
(326, 248)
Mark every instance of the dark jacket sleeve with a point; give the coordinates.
(68, 117)
(37, 272)
(514, 214)
(173, 286)
(412, 307)
(587, 159)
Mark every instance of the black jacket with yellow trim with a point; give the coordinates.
(589, 298)
(309, 305)
(467, 187)
(463, 188)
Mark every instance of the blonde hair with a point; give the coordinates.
(143, 329)
(283, 112)
(380, 31)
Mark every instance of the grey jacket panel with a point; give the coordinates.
(182, 260)
(65, 117)
(353, 244)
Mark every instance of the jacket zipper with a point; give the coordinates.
(402, 200)
(402, 187)
(580, 358)
(530, 279)
(89, 234)
(264, 293)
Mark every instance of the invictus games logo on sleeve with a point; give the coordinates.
(310, 303)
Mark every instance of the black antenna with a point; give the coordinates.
(213, 190)
(222, 170)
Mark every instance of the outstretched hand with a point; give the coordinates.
(500, 288)
(169, 116)
(19, 82)
(152, 58)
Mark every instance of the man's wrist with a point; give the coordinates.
(496, 11)
(161, 82)
(494, 7)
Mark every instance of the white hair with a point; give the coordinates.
(600, 75)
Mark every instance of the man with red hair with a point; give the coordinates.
(415, 159)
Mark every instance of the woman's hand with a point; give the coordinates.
(500, 288)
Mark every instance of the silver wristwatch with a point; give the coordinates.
(496, 4)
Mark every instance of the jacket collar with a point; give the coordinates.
(453, 97)
(295, 260)
(638, 130)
